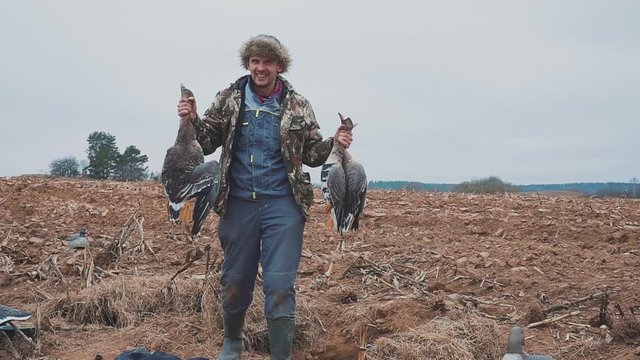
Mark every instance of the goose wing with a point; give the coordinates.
(356, 195)
(202, 177)
(207, 195)
(336, 188)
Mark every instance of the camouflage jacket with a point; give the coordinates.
(300, 139)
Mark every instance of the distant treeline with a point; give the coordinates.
(410, 185)
(604, 189)
(609, 189)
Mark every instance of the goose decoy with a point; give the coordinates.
(79, 240)
(8, 328)
(515, 347)
(10, 314)
(185, 175)
(142, 354)
(344, 186)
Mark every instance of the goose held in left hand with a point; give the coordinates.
(344, 185)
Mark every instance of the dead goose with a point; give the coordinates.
(344, 186)
(185, 175)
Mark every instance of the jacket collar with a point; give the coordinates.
(242, 82)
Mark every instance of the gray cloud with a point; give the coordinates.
(531, 91)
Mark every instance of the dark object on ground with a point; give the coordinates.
(142, 354)
(30, 330)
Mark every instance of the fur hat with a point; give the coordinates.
(267, 46)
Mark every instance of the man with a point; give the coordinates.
(267, 132)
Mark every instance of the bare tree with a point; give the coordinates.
(65, 167)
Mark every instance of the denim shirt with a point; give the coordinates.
(257, 168)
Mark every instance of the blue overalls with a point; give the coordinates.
(263, 223)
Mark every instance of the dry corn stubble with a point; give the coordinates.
(124, 302)
(467, 337)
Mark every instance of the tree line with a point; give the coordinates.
(488, 185)
(494, 184)
(104, 161)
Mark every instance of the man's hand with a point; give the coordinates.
(187, 107)
(343, 137)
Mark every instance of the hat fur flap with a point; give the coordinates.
(267, 46)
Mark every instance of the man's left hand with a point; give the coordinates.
(343, 137)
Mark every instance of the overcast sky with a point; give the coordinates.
(442, 91)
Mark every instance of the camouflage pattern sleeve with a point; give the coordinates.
(316, 151)
(210, 130)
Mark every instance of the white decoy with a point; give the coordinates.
(515, 347)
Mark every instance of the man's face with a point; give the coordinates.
(263, 72)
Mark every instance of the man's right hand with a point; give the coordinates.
(187, 107)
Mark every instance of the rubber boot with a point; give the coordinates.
(233, 343)
(281, 338)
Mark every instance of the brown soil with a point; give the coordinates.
(418, 256)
